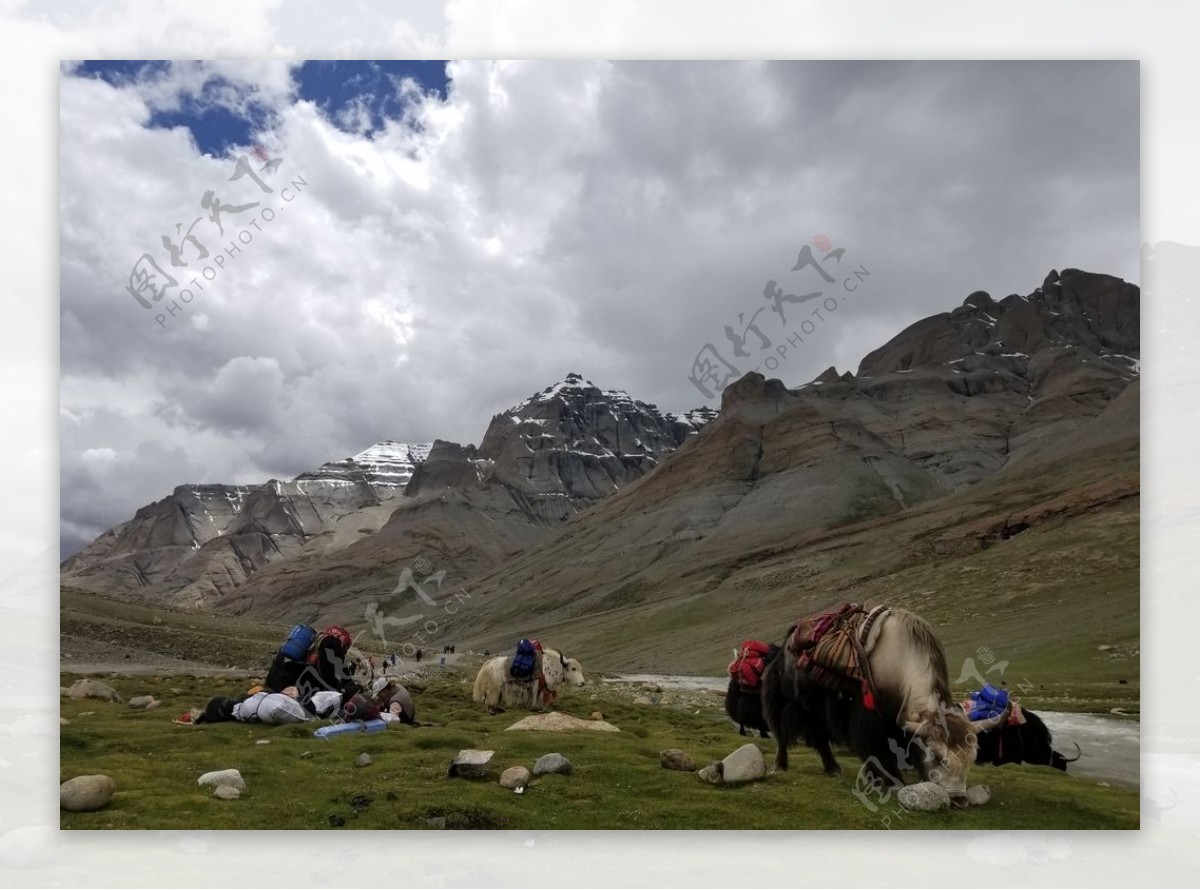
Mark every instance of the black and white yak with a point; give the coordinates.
(913, 722)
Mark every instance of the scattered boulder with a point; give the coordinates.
(263, 742)
(306, 755)
(979, 795)
(556, 721)
(746, 764)
(154, 704)
(652, 687)
(596, 715)
(712, 773)
(226, 792)
(552, 763)
(674, 758)
(437, 822)
(514, 777)
(89, 688)
(646, 700)
(470, 763)
(63, 721)
(83, 794)
(223, 777)
(363, 759)
(926, 796)
(142, 702)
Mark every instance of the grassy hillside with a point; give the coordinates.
(1041, 569)
(300, 782)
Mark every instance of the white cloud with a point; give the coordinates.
(546, 217)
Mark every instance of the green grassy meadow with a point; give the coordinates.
(300, 782)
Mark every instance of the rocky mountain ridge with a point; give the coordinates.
(553, 454)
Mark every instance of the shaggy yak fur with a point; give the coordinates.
(495, 687)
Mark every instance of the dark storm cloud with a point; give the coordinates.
(546, 218)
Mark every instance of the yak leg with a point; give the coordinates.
(816, 734)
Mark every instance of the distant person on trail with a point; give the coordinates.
(418, 656)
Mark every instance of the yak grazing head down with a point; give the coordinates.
(946, 743)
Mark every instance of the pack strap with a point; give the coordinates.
(858, 640)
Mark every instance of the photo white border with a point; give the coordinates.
(34, 853)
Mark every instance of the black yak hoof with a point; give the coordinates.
(834, 771)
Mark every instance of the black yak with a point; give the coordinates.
(1027, 742)
(743, 700)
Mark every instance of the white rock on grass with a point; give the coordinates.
(979, 795)
(746, 764)
(470, 763)
(223, 777)
(89, 688)
(85, 793)
(927, 796)
(141, 701)
(226, 792)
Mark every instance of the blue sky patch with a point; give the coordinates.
(356, 96)
(362, 96)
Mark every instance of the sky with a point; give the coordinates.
(401, 250)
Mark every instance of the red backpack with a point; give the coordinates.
(747, 668)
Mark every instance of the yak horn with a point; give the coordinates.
(1078, 753)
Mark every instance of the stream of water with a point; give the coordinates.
(1111, 746)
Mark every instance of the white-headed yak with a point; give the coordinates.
(496, 688)
(895, 712)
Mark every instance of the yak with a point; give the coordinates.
(495, 687)
(1028, 742)
(910, 719)
(744, 705)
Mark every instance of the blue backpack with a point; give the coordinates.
(298, 642)
(987, 703)
(524, 661)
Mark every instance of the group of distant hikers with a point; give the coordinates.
(314, 676)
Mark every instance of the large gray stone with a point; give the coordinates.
(85, 793)
(556, 721)
(712, 773)
(470, 763)
(746, 764)
(926, 796)
(89, 688)
(515, 777)
(674, 758)
(223, 777)
(226, 792)
(363, 759)
(552, 763)
(139, 702)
